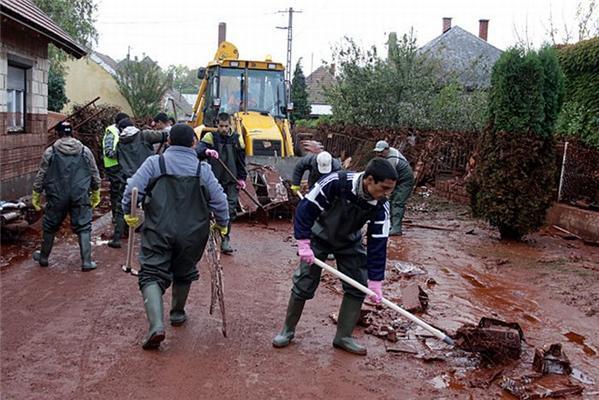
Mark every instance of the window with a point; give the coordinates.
(16, 93)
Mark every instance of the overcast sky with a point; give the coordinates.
(186, 31)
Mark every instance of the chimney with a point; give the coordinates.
(483, 29)
(446, 24)
(222, 32)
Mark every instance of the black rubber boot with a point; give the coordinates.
(119, 228)
(152, 295)
(41, 256)
(294, 312)
(177, 314)
(225, 245)
(85, 249)
(349, 313)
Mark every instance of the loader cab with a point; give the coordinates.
(234, 89)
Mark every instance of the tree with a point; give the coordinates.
(76, 17)
(143, 84)
(56, 86)
(299, 94)
(406, 89)
(516, 162)
(184, 79)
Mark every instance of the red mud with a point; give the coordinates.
(72, 335)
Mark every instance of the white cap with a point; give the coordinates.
(381, 145)
(325, 162)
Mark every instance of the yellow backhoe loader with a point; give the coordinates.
(254, 93)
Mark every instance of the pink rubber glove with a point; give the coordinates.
(305, 251)
(376, 287)
(212, 153)
(240, 184)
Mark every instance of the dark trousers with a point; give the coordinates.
(350, 261)
(399, 197)
(167, 259)
(55, 214)
(116, 191)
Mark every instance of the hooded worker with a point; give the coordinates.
(178, 193)
(67, 174)
(227, 147)
(329, 220)
(134, 146)
(404, 187)
(317, 166)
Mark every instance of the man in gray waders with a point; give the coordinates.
(404, 187)
(67, 174)
(329, 220)
(133, 147)
(178, 193)
(317, 166)
(229, 147)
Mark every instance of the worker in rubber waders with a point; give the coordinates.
(404, 187)
(133, 147)
(329, 220)
(227, 146)
(111, 166)
(317, 166)
(178, 193)
(67, 174)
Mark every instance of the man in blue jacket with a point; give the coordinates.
(329, 220)
(179, 194)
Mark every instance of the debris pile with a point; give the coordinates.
(492, 338)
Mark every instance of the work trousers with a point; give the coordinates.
(351, 261)
(116, 191)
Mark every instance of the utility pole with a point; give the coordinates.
(289, 28)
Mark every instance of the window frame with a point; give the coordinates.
(24, 68)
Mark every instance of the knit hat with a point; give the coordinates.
(181, 135)
(64, 129)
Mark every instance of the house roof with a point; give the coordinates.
(28, 14)
(464, 54)
(316, 82)
(106, 62)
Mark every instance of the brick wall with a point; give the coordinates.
(20, 153)
(452, 189)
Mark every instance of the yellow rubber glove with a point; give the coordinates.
(36, 200)
(132, 221)
(95, 198)
(222, 230)
(295, 188)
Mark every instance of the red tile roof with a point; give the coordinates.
(28, 14)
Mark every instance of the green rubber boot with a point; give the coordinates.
(177, 314)
(152, 295)
(41, 256)
(119, 229)
(349, 314)
(85, 249)
(396, 220)
(225, 245)
(294, 312)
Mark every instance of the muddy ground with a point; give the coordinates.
(72, 335)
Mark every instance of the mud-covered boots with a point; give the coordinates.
(177, 314)
(294, 312)
(119, 229)
(349, 313)
(41, 256)
(85, 249)
(152, 295)
(225, 245)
